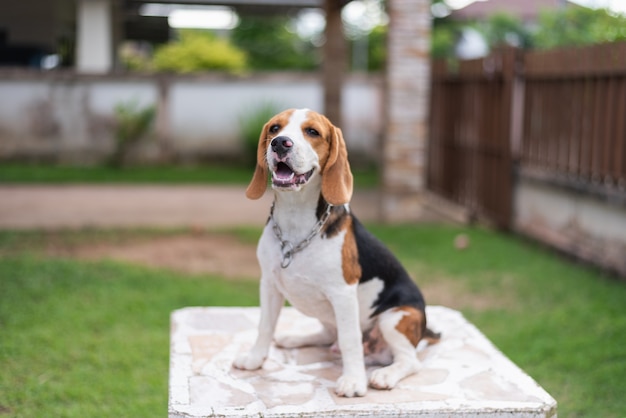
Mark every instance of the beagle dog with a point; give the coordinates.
(315, 254)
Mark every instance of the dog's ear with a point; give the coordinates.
(258, 184)
(336, 174)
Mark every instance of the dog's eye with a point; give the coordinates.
(274, 128)
(311, 132)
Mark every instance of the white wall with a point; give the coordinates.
(69, 116)
(200, 110)
(578, 223)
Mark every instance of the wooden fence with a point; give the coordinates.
(575, 116)
(469, 148)
(561, 114)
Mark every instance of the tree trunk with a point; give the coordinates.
(334, 65)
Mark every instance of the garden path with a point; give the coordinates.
(115, 206)
(199, 209)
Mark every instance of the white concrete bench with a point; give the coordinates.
(462, 376)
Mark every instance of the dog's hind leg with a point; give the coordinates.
(325, 336)
(402, 328)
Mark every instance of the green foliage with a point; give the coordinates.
(251, 123)
(499, 30)
(377, 48)
(133, 59)
(167, 174)
(132, 123)
(578, 26)
(503, 29)
(215, 173)
(198, 50)
(270, 44)
(563, 27)
(443, 40)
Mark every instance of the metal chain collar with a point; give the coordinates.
(286, 247)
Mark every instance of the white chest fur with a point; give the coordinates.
(315, 277)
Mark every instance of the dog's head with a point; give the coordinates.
(295, 147)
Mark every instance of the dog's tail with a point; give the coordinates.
(431, 336)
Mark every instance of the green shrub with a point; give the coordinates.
(271, 45)
(573, 26)
(198, 51)
(134, 59)
(132, 123)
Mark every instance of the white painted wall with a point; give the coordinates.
(578, 223)
(73, 115)
(199, 110)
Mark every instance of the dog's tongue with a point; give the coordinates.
(283, 172)
(285, 176)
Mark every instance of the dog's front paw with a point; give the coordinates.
(248, 362)
(384, 378)
(350, 386)
(388, 377)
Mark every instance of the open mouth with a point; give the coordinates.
(284, 176)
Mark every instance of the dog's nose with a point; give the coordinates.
(281, 145)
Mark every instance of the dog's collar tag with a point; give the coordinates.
(286, 249)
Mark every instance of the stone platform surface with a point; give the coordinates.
(463, 375)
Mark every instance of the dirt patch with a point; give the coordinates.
(193, 254)
(225, 255)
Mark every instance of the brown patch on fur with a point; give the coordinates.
(350, 255)
(412, 325)
(321, 144)
(331, 148)
(336, 174)
(258, 184)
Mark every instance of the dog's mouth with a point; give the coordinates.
(284, 176)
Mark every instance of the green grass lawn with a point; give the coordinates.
(210, 173)
(81, 338)
(64, 174)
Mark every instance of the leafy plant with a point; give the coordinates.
(198, 51)
(132, 123)
(133, 58)
(272, 46)
(568, 26)
(504, 29)
(579, 26)
(443, 39)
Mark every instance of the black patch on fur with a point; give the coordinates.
(336, 219)
(377, 261)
